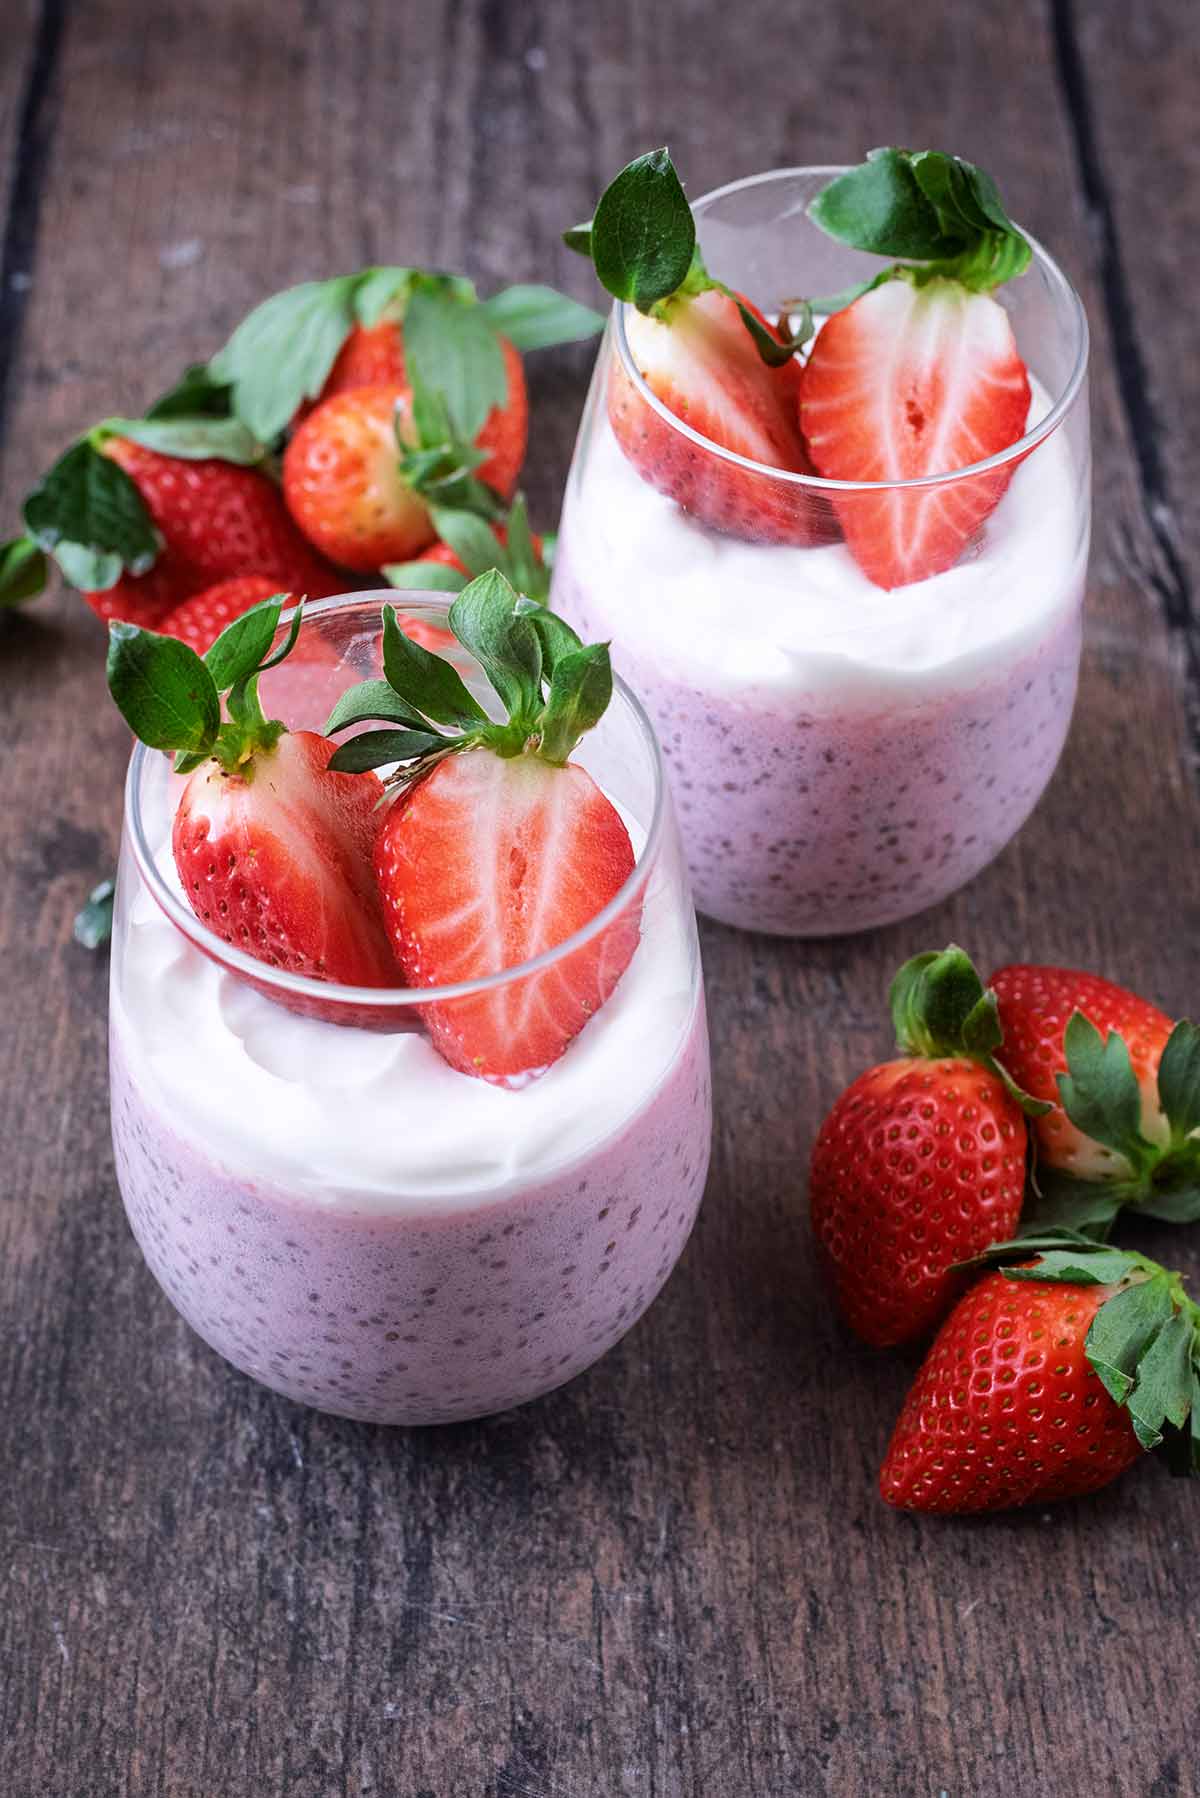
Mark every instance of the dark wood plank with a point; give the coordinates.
(673, 1578)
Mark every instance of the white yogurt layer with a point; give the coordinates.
(349, 1118)
(734, 617)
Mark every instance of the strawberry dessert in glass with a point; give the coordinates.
(410, 1074)
(830, 503)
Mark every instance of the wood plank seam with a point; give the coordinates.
(1170, 579)
(38, 117)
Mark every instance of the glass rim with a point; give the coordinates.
(397, 998)
(787, 477)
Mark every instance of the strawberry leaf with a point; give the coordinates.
(1163, 1390)
(1100, 1093)
(931, 999)
(163, 690)
(425, 681)
(554, 633)
(371, 699)
(194, 395)
(378, 748)
(93, 922)
(1123, 1328)
(90, 517)
(926, 207)
(193, 439)
(526, 569)
(473, 541)
(22, 571)
(428, 577)
(242, 646)
(378, 288)
(580, 689)
(643, 236)
(537, 318)
(453, 350)
(485, 620)
(1089, 1206)
(282, 353)
(1174, 1196)
(1179, 1081)
(1083, 1264)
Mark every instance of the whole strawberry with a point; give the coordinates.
(919, 375)
(201, 619)
(1123, 1084)
(920, 1165)
(1047, 1380)
(709, 357)
(272, 849)
(498, 848)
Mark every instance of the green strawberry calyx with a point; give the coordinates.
(478, 548)
(642, 243)
(940, 1008)
(1144, 1340)
(940, 214)
(171, 698)
(552, 687)
(1101, 1096)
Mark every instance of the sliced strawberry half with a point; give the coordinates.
(276, 860)
(914, 380)
(702, 363)
(486, 864)
(499, 848)
(273, 849)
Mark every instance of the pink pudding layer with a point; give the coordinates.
(412, 1311)
(803, 818)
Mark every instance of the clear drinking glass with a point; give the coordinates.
(842, 756)
(333, 1208)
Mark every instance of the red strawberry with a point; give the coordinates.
(921, 1163)
(273, 849)
(342, 479)
(145, 599)
(201, 619)
(1122, 1126)
(374, 357)
(218, 520)
(1046, 1382)
(701, 362)
(911, 381)
(276, 859)
(499, 847)
(485, 864)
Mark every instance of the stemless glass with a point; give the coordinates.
(332, 1207)
(842, 756)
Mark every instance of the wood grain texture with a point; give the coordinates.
(673, 1579)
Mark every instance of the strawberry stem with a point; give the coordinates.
(553, 687)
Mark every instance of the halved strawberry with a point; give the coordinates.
(499, 848)
(909, 381)
(201, 619)
(273, 850)
(275, 858)
(701, 362)
(485, 864)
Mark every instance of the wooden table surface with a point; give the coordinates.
(672, 1579)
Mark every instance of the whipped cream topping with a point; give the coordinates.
(733, 616)
(352, 1119)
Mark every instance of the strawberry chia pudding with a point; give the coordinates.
(854, 726)
(347, 1217)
